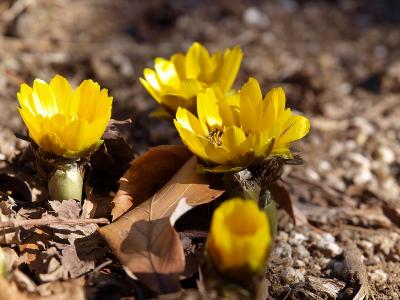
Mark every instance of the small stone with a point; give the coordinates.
(310, 173)
(385, 154)
(350, 145)
(328, 245)
(298, 238)
(290, 276)
(360, 160)
(283, 250)
(301, 251)
(379, 277)
(363, 176)
(324, 166)
(336, 149)
(374, 260)
(253, 16)
(282, 236)
(299, 263)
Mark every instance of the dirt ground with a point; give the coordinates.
(339, 63)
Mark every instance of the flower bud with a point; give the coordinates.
(239, 238)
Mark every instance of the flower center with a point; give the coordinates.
(215, 136)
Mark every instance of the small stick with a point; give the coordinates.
(47, 221)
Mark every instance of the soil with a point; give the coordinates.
(339, 63)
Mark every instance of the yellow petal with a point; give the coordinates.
(296, 128)
(44, 99)
(197, 60)
(179, 61)
(62, 92)
(167, 73)
(152, 78)
(274, 105)
(232, 138)
(208, 110)
(230, 67)
(150, 89)
(250, 101)
(188, 121)
(192, 141)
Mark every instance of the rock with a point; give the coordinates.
(360, 160)
(290, 276)
(253, 16)
(324, 166)
(363, 176)
(301, 251)
(385, 154)
(298, 238)
(379, 277)
(283, 250)
(310, 173)
(328, 245)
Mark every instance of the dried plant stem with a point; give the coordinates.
(52, 221)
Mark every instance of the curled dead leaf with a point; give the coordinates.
(148, 173)
(282, 197)
(144, 239)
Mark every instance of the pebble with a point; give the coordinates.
(379, 276)
(363, 176)
(336, 149)
(367, 246)
(253, 16)
(328, 245)
(385, 154)
(350, 145)
(360, 160)
(299, 263)
(374, 260)
(298, 238)
(310, 173)
(324, 166)
(302, 251)
(290, 276)
(283, 250)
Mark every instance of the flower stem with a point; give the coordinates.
(66, 182)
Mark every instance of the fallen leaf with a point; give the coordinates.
(282, 197)
(111, 160)
(144, 239)
(8, 235)
(147, 174)
(15, 188)
(10, 291)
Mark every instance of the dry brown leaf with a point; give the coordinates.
(144, 239)
(8, 235)
(147, 174)
(282, 197)
(53, 291)
(10, 291)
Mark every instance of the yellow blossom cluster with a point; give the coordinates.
(226, 129)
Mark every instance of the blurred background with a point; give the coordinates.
(338, 61)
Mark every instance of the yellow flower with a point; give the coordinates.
(237, 130)
(63, 121)
(239, 238)
(177, 81)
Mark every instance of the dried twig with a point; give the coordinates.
(48, 221)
